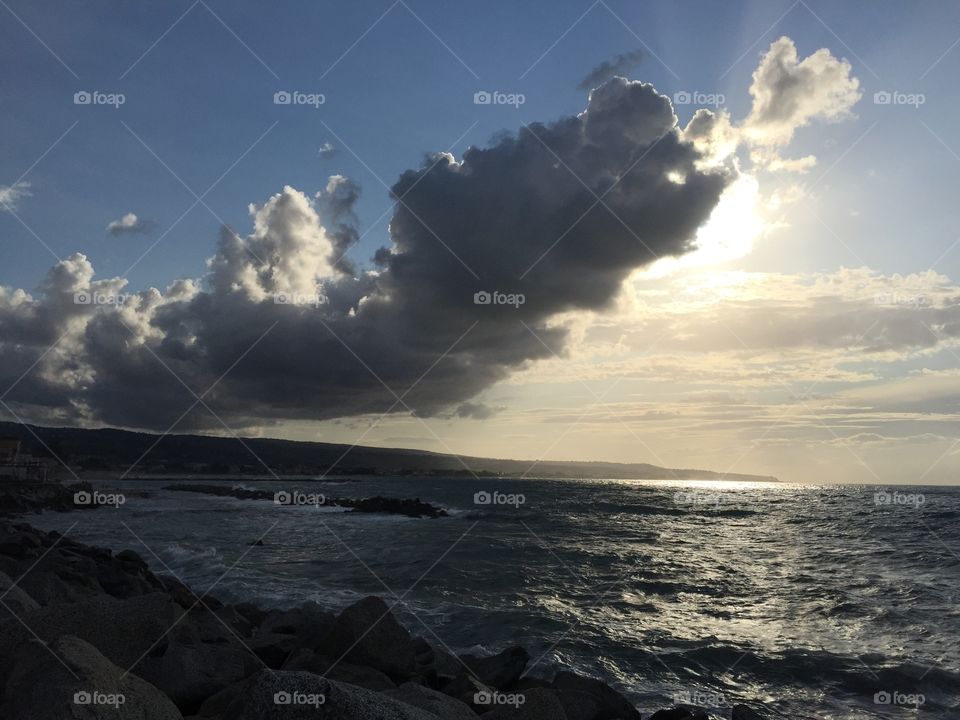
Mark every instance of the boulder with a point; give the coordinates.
(578, 705)
(500, 672)
(745, 712)
(283, 631)
(286, 695)
(611, 705)
(441, 705)
(538, 704)
(187, 656)
(71, 679)
(345, 672)
(14, 599)
(366, 633)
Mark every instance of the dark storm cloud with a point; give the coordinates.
(620, 64)
(482, 251)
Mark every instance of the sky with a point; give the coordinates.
(716, 235)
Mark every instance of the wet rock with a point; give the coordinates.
(500, 672)
(578, 705)
(360, 675)
(611, 705)
(437, 703)
(538, 704)
(189, 657)
(297, 696)
(14, 598)
(366, 633)
(71, 679)
(745, 712)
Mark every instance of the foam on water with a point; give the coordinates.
(812, 599)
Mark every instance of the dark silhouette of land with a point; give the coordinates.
(109, 451)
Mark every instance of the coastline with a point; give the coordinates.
(108, 618)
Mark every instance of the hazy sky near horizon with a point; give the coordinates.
(739, 254)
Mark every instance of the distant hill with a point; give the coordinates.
(108, 450)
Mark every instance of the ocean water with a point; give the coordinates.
(819, 602)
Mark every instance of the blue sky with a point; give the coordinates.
(399, 78)
(199, 99)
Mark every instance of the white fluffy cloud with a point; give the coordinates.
(788, 93)
(129, 224)
(11, 195)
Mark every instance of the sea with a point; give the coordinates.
(815, 602)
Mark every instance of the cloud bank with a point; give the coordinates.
(283, 328)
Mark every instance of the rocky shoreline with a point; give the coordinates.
(86, 633)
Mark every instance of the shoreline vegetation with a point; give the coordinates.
(93, 632)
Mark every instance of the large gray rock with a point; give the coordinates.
(260, 698)
(366, 633)
(71, 679)
(578, 705)
(14, 598)
(500, 672)
(745, 712)
(538, 704)
(345, 672)
(611, 705)
(281, 632)
(189, 657)
(441, 705)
